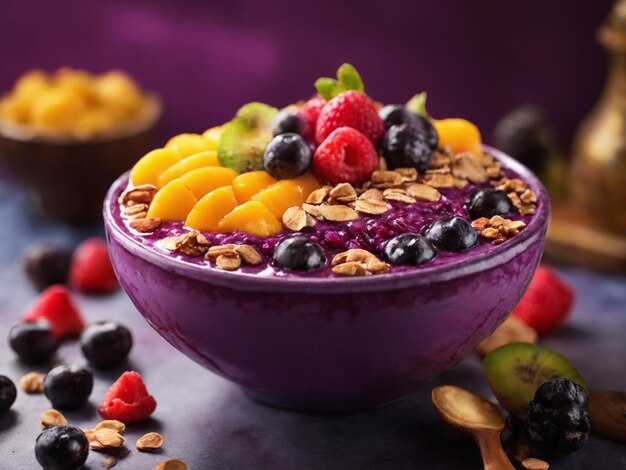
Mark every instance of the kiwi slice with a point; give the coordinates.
(516, 370)
(244, 140)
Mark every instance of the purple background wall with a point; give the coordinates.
(476, 58)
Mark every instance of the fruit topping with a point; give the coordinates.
(280, 196)
(251, 217)
(459, 135)
(244, 140)
(8, 393)
(358, 262)
(515, 372)
(557, 418)
(299, 254)
(55, 305)
(350, 109)
(287, 121)
(395, 114)
(46, 265)
(150, 167)
(452, 234)
(204, 180)
(106, 344)
(213, 136)
(287, 156)
(248, 184)
(346, 156)
(405, 146)
(487, 202)
(188, 144)
(199, 160)
(62, 448)
(547, 301)
(33, 342)
(91, 270)
(127, 400)
(68, 386)
(409, 249)
(211, 209)
(173, 202)
(309, 113)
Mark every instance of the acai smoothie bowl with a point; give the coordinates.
(332, 255)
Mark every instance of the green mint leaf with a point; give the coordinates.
(349, 78)
(417, 104)
(327, 88)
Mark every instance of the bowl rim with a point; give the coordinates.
(534, 232)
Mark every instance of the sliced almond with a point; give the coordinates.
(228, 262)
(310, 221)
(111, 424)
(398, 197)
(440, 181)
(218, 250)
(51, 418)
(32, 382)
(535, 464)
(466, 166)
(192, 243)
(343, 193)
(172, 464)
(319, 195)
(312, 210)
(338, 213)
(94, 444)
(109, 437)
(145, 225)
(408, 174)
(295, 219)
(249, 255)
(372, 194)
(354, 254)
(440, 160)
(390, 178)
(139, 194)
(371, 206)
(149, 442)
(423, 192)
(109, 461)
(377, 267)
(352, 268)
(135, 210)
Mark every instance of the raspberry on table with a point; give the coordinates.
(91, 270)
(55, 305)
(127, 400)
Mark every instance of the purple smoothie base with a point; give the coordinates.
(329, 343)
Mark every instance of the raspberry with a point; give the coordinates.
(127, 400)
(350, 109)
(547, 302)
(309, 114)
(55, 305)
(345, 156)
(91, 270)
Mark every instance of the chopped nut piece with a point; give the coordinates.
(497, 229)
(391, 178)
(343, 193)
(149, 442)
(295, 219)
(310, 221)
(491, 233)
(351, 268)
(218, 250)
(172, 464)
(109, 437)
(139, 194)
(480, 224)
(358, 262)
(394, 195)
(497, 221)
(528, 197)
(522, 208)
(134, 211)
(109, 461)
(372, 194)
(145, 225)
(535, 464)
(228, 262)
(423, 192)
(512, 185)
(249, 255)
(51, 418)
(513, 227)
(111, 424)
(439, 181)
(319, 195)
(32, 382)
(371, 206)
(338, 213)
(91, 438)
(408, 174)
(191, 243)
(467, 167)
(312, 210)
(460, 183)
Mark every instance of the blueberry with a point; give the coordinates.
(8, 392)
(299, 254)
(452, 234)
(287, 156)
(409, 249)
(33, 342)
(405, 145)
(46, 265)
(287, 121)
(487, 202)
(106, 344)
(68, 386)
(61, 448)
(395, 114)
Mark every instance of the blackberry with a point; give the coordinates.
(557, 418)
(46, 265)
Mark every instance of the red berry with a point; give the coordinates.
(55, 305)
(309, 114)
(127, 400)
(346, 156)
(547, 302)
(91, 270)
(350, 109)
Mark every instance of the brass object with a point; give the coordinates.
(599, 150)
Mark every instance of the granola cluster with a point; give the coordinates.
(523, 199)
(497, 229)
(135, 202)
(358, 262)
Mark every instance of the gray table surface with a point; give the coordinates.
(210, 424)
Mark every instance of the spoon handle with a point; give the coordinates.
(494, 457)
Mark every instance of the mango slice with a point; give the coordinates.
(246, 185)
(307, 184)
(279, 197)
(148, 169)
(199, 160)
(251, 217)
(211, 209)
(204, 180)
(173, 202)
(460, 134)
(188, 144)
(213, 135)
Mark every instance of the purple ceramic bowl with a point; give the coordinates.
(329, 344)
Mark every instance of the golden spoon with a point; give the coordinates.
(477, 417)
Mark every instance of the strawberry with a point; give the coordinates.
(127, 400)
(547, 302)
(55, 305)
(91, 270)
(309, 113)
(350, 109)
(346, 156)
